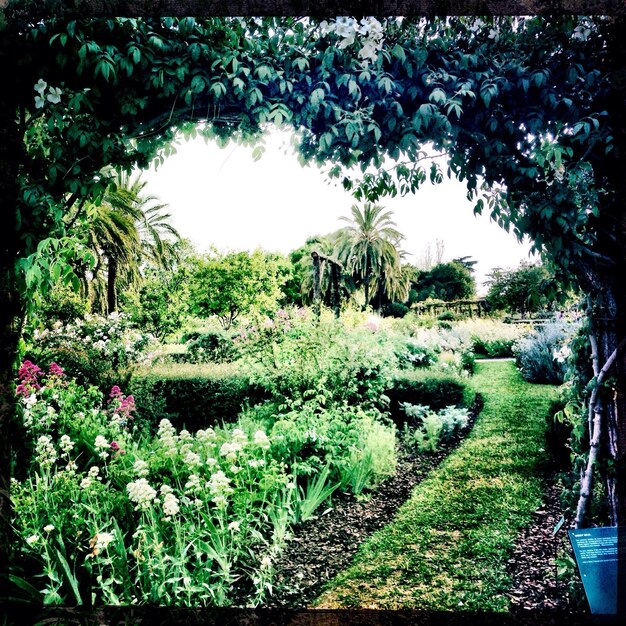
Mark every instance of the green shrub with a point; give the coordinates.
(412, 354)
(212, 347)
(354, 446)
(537, 355)
(298, 359)
(428, 429)
(447, 316)
(395, 309)
(432, 389)
(191, 397)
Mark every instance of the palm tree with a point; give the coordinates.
(126, 231)
(368, 247)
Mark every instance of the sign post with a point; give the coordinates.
(601, 558)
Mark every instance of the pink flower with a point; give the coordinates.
(116, 447)
(55, 370)
(116, 392)
(27, 375)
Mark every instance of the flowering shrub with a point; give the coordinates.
(298, 358)
(109, 517)
(96, 350)
(53, 405)
(541, 356)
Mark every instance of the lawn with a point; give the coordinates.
(447, 547)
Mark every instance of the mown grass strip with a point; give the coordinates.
(448, 545)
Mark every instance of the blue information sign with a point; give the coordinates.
(601, 557)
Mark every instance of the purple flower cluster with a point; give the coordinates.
(27, 375)
(121, 406)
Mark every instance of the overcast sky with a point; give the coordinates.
(225, 198)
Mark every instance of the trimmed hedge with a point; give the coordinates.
(193, 397)
(436, 390)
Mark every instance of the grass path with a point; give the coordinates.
(448, 545)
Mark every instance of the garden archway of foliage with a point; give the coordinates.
(530, 107)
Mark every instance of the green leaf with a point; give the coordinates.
(438, 96)
(257, 153)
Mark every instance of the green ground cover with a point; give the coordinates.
(447, 547)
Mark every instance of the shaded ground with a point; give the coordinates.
(533, 563)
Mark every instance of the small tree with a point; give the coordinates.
(529, 288)
(234, 284)
(446, 281)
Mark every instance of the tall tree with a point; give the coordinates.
(128, 229)
(368, 246)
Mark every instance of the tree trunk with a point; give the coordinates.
(111, 278)
(366, 283)
(11, 313)
(608, 324)
(336, 300)
(317, 288)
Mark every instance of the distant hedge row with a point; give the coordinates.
(197, 397)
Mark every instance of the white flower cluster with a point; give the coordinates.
(168, 438)
(261, 439)
(192, 486)
(101, 445)
(92, 474)
(66, 444)
(53, 95)
(170, 502)
(140, 468)
(369, 31)
(192, 459)
(141, 493)
(230, 450)
(562, 354)
(207, 436)
(102, 541)
(46, 452)
(220, 489)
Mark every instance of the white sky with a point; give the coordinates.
(223, 197)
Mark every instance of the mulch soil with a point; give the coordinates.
(323, 546)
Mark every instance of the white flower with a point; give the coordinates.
(193, 459)
(66, 444)
(211, 461)
(229, 450)
(49, 528)
(141, 493)
(562, 355)
(94, 473)
(170, 505)
(165, 489)
(140, 468)
(32, 539)
(40, 86)
(30, 401)
(103, 540)
(234, 526)
(219, 487)
(266, 562)
(46, 452)
(206, 436)
(239, 436)
(261, 439)
(193, 484)
(85, 483)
